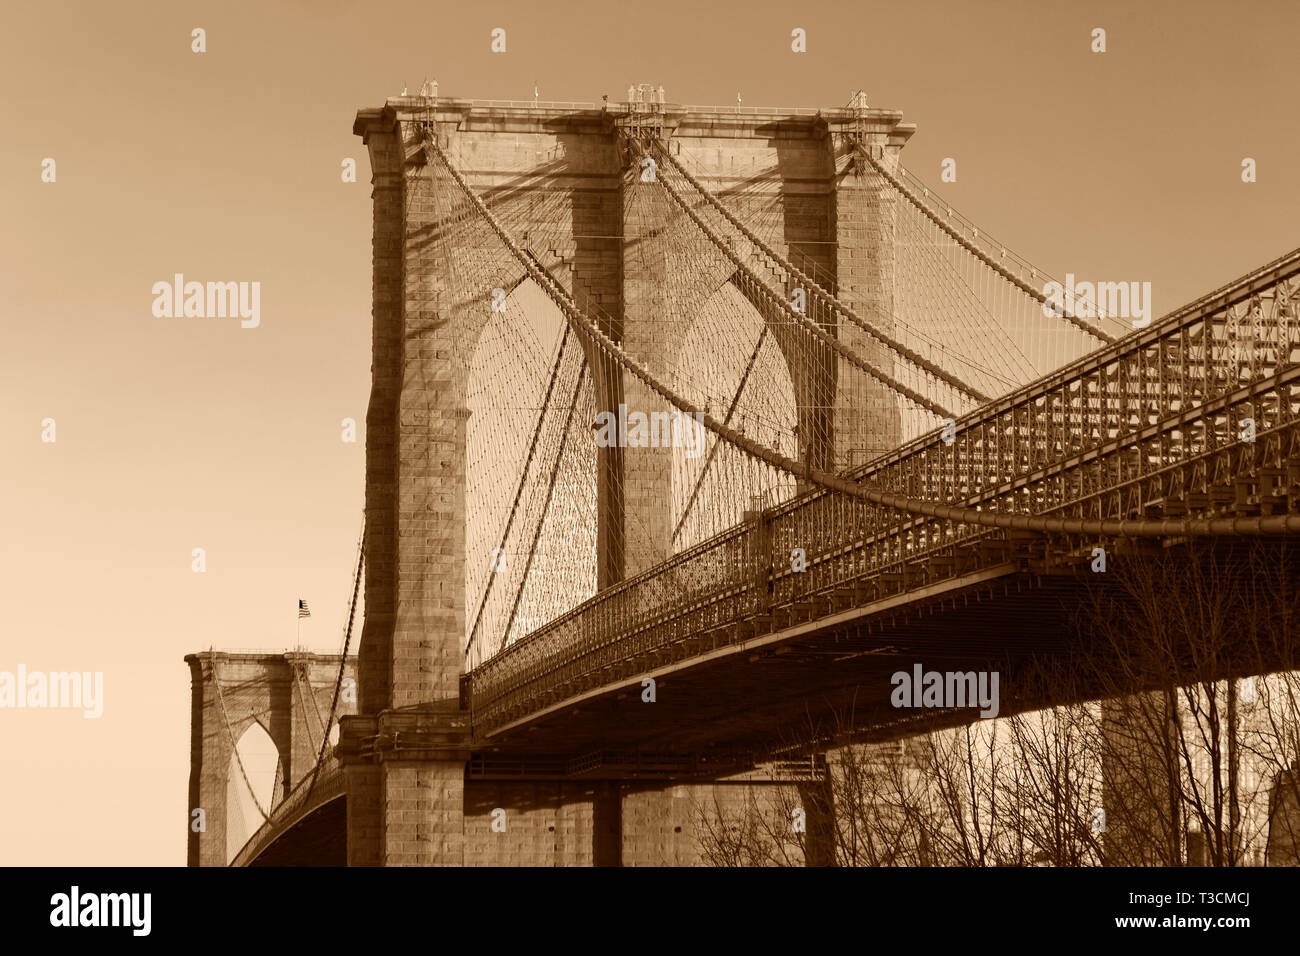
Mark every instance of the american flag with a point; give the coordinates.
(303, 609)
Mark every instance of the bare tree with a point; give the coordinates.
(1172, 635)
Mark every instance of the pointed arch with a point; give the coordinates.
(263, 764)
(528, 391)
(744, 378)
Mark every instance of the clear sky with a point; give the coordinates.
(179, 434)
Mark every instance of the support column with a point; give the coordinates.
(210, 752)
(818, 801)
(648, 335)
(365, 837)
(405, 773)
(607, 824)
(374, 652)
(595, 198)
(405, 753)
(866, 419)
(658, 826)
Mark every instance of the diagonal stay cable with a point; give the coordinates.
(808, 324)
(221, 700)
(302, 698)
(824, 295)
(978, 253)
(523, 480)
(735, 400)
(343, 658)
(810, 268)
(550, 491)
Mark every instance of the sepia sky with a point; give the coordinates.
(175, 434)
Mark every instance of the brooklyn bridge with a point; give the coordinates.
(855, 433)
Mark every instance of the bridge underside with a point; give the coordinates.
(773, 691)
(319, 839)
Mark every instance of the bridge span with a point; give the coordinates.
(906, 459)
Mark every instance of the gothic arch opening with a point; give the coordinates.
(260, 758)
(713, 484)
(530, 501)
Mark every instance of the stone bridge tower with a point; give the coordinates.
(288, 694)
(406, 751)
